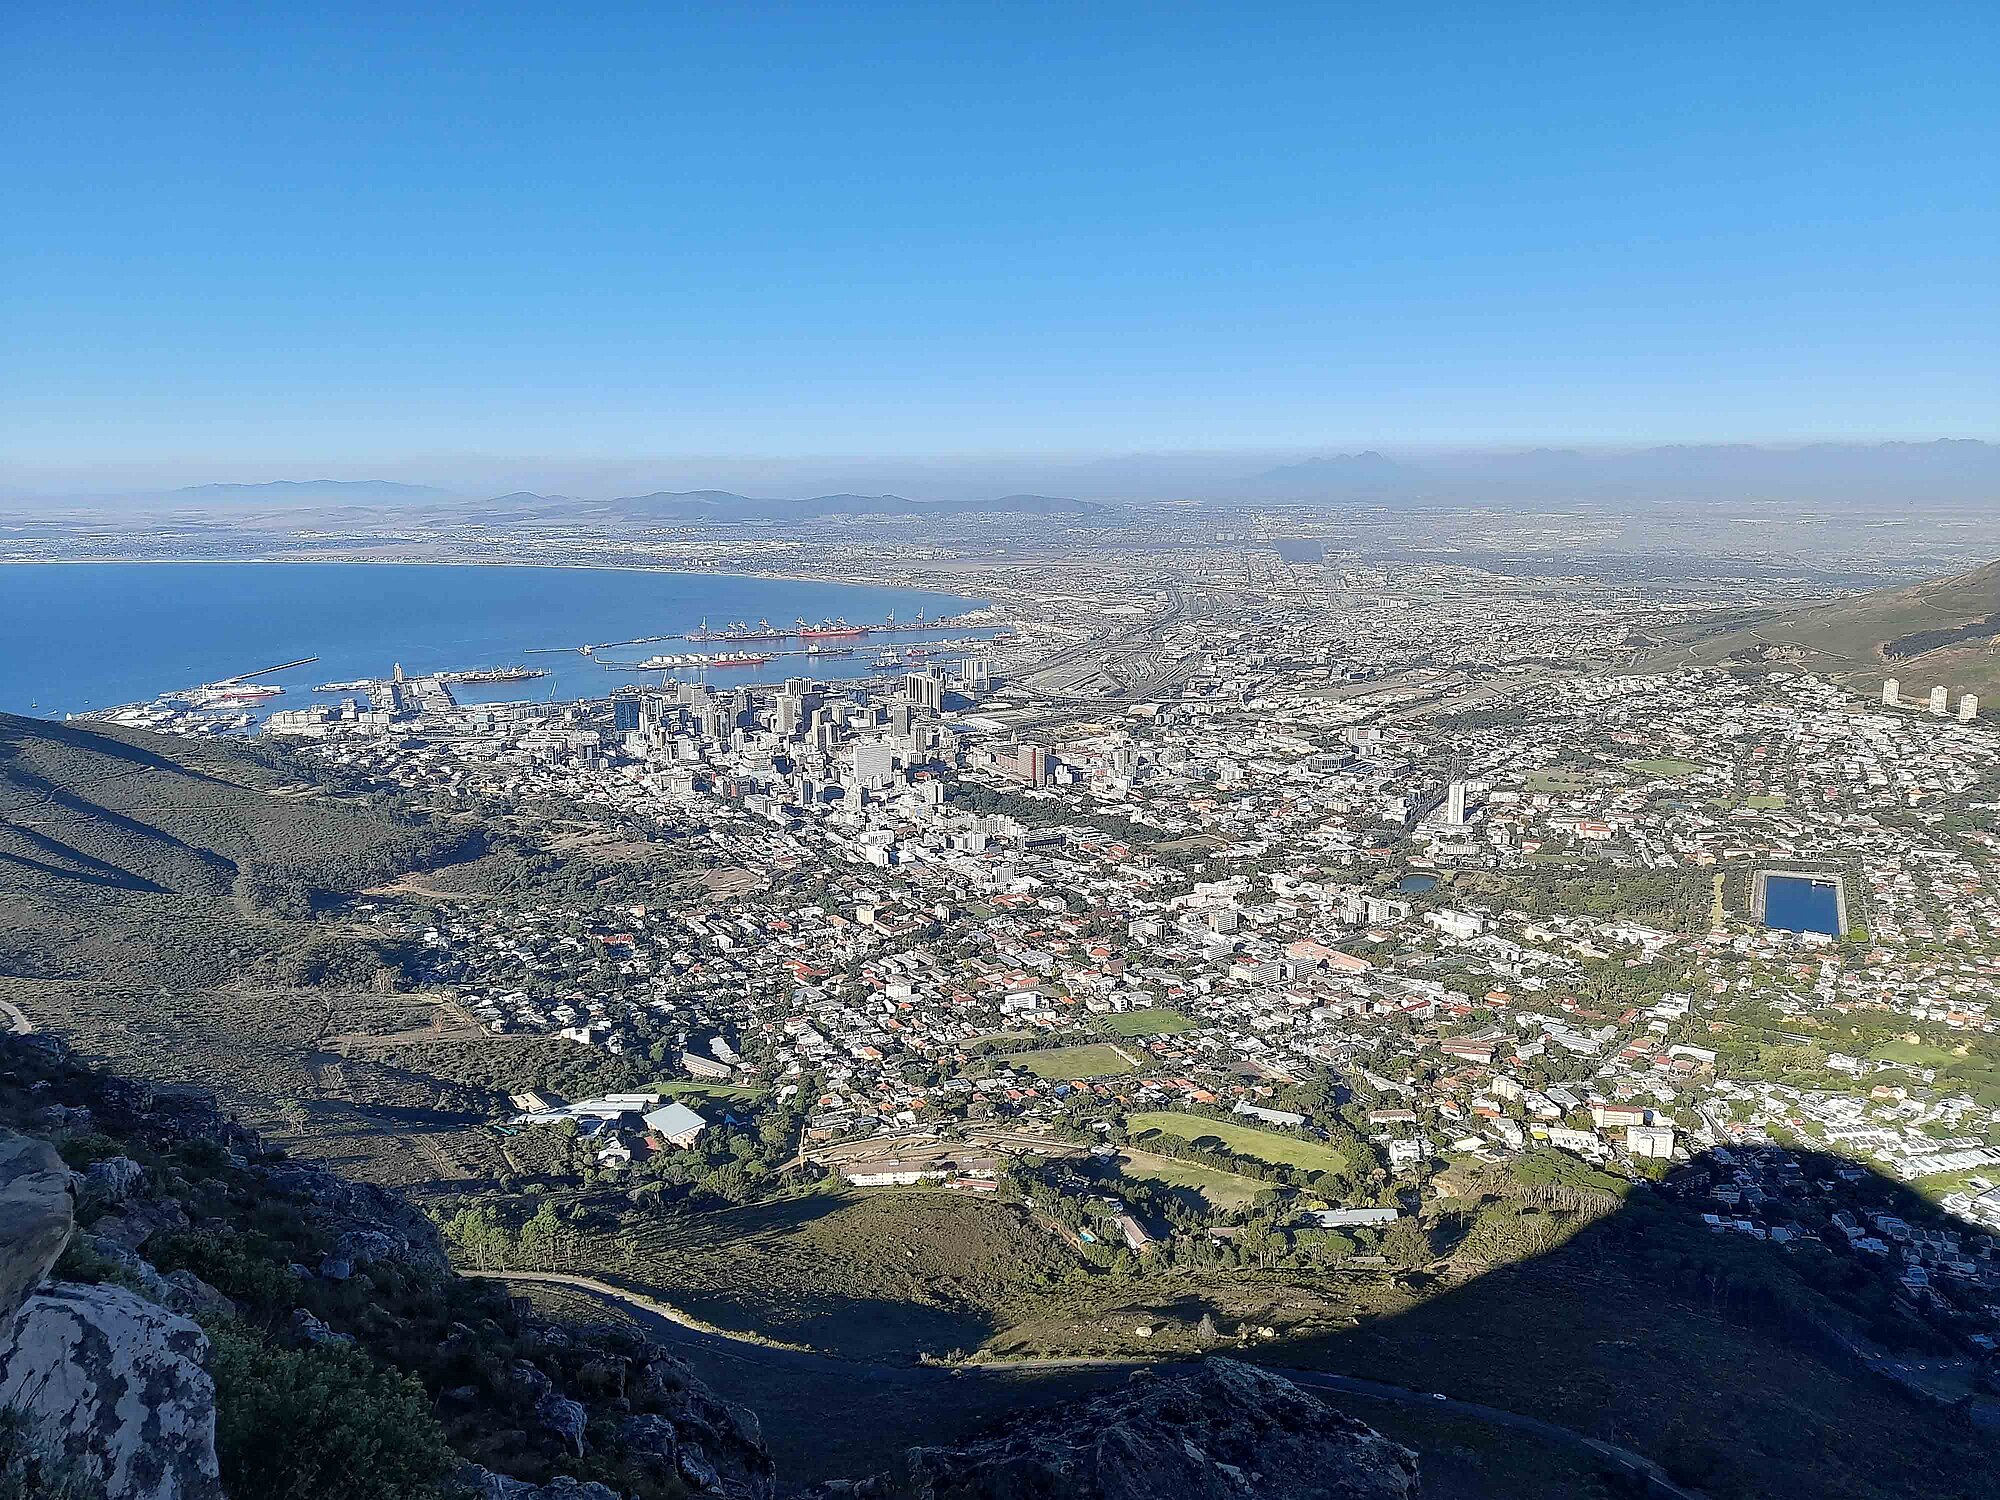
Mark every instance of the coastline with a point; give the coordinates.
(572, 601)
(852, 580)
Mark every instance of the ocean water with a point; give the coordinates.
(82, 636)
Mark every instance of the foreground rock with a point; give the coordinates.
(1222, 1431)
(115, 1385)
(37, 1212)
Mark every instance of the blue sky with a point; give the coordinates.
(242, 238)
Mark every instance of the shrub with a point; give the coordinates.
(320, 1423)
(32, 1468)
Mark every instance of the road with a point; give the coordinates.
(674, 1326)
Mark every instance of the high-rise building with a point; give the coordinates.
(1031, 764)
(924, 690)
(1968, 707)
(1454, 804)
(1892, 692)
(625, 712)
(874, 764)
(787, 714)
(1938, 697)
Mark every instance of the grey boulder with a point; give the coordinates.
(116, 1385)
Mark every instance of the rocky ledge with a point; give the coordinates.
(1220, 1431)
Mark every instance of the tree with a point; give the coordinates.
(323, 1422)
(541, 1238)
(1406, 1245)
(480, 1236)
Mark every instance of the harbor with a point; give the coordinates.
(220, 648)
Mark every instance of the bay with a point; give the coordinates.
(76, 637)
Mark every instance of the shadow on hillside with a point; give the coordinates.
(17, 731)
(1745, 1367)
(87, 818)
(84, 869)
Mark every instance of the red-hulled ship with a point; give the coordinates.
(831, 630)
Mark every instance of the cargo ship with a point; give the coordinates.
(832, 630)
(493, 674)
(669, 663)
(765, 631)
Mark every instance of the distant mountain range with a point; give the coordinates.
(718, 506)
(310, 492)
(1949, 471)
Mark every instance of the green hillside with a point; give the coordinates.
(1946, 631)
(171, 860)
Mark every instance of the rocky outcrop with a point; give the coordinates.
(370, 1223)
(37, 1213)
(477, 1483)
(108, 1383)
(1222, 1431)
(116, 1385)
(116, 1178)
(182, 1291)
(693, 1435)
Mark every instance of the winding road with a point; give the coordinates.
(672, 1325)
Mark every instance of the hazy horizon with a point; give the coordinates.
(1661, 471)
(812, 246)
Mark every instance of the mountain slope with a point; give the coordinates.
(1943, 632)
(166, 855)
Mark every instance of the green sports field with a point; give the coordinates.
(1244, 1140)
(1068, 1064)
(1155, 1020)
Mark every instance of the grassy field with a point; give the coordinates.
(882, 1274)
(1244, 1140)
(681, 1088)
(1663, 765)
(1154, 1020)
(1556, 781)
(1914, 1054)
(1223, 1190)
(1067, 1064)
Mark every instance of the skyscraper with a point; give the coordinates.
(1968, 708)
(1454, 804)
(1892, 692)
(1938, 697)
(924, 690)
